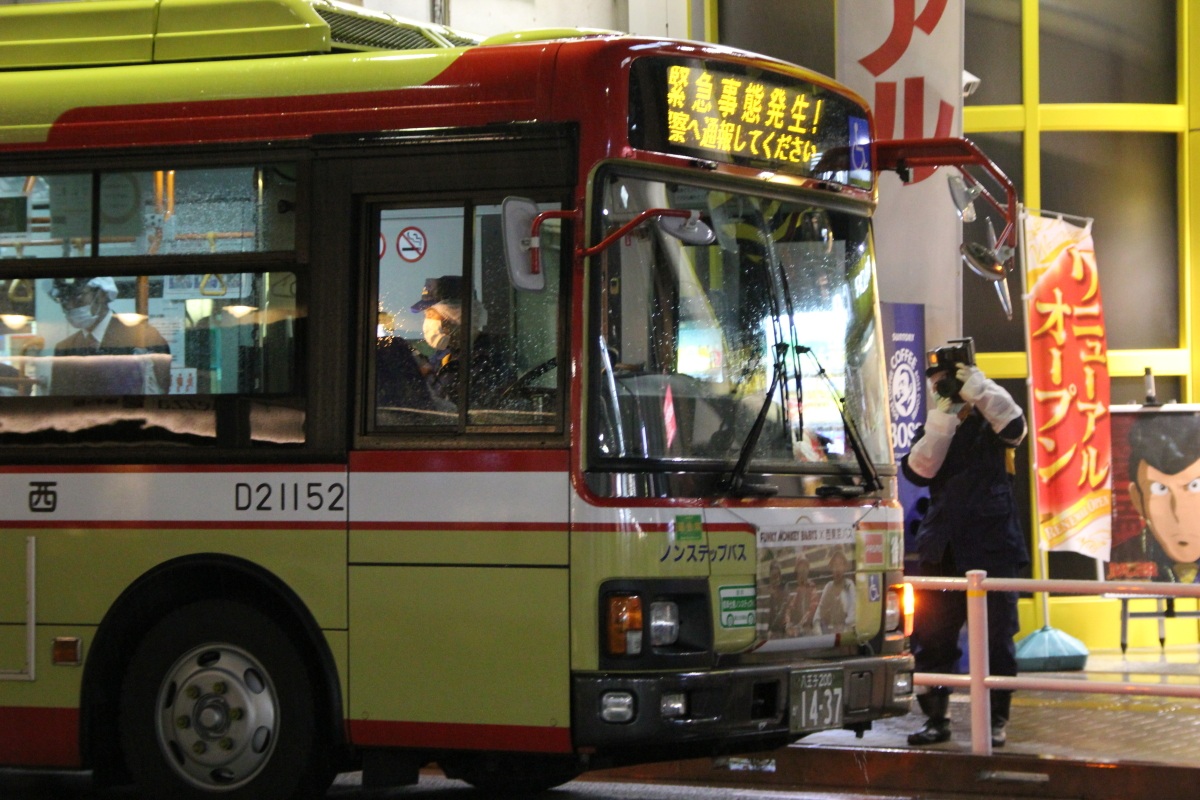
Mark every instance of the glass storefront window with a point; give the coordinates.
(1127, 183)
(1107, 51)
(992, 51)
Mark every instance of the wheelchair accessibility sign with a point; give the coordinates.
(860, 145)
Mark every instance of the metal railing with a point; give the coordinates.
(976, 584)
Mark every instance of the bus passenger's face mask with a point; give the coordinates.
(82, 318)
(435, 336)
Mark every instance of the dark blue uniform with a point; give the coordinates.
(972, 523)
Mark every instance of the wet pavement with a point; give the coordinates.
(1092, 727)
(1060, 745)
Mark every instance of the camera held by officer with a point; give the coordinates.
(944, 362)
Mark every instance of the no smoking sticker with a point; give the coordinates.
(411, 244)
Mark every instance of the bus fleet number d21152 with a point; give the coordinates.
(312, 496)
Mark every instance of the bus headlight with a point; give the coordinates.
(673, 705)
(648, 623)
(664, 623)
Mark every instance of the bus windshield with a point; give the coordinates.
(687, 337)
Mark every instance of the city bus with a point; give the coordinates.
(375, 395)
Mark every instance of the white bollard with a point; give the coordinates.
(977, 642)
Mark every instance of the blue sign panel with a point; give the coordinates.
(904, 347)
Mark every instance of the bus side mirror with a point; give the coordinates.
(989, 262)
(521, 246)
(964, 197)
(993, 260)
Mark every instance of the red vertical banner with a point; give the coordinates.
(1069, 388)
(906, 58)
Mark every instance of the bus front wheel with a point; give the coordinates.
(217, 702)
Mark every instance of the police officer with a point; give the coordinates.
(965, 455)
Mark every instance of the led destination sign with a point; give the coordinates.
(764, 120)
(713, 110)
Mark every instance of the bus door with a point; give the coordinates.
(459, 629)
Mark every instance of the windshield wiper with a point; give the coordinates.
(871, 482)
(736, 483)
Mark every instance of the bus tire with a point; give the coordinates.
(217, 702)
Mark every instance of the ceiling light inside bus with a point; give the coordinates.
(130, 318)
(237, 312)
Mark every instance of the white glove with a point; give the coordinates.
(926, 456)
(973, 382)
(996, 405)
(946, 405)
(932, 398)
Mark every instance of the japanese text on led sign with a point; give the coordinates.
(739, 116)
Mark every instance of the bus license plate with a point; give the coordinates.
(816, 697)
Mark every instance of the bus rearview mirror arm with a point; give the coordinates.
(994, 260)
(523, 252)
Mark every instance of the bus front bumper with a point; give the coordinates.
(741, 708)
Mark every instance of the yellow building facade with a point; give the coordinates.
(1092, 107)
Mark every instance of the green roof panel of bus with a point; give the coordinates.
(97, 33)
(548, 34)
(102, 32)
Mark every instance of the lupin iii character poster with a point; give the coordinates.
(1156, 494)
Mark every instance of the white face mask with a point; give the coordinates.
(82, 318)
(435, 336)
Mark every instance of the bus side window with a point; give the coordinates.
(462, 351)
(211, 210)
(128, 342)
(515, 379)
(419, 330)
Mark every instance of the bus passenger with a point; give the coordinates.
(105, 356)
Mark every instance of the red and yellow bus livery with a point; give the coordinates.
(373, 394)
